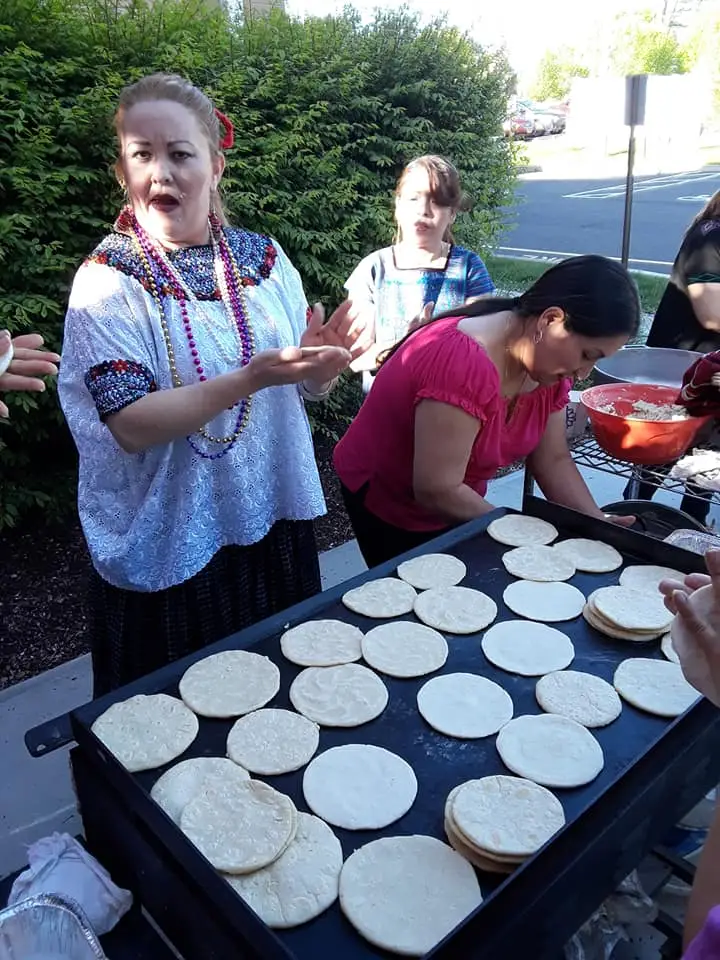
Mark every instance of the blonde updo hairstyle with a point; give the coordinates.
(445, 187)
(168, 86)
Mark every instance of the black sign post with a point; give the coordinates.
(635, 97)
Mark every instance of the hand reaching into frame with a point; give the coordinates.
(27, 365)
(345, 328)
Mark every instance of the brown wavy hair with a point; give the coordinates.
(445, 187)
(711, 211)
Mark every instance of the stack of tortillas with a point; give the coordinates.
(628, 613)
(498, 822)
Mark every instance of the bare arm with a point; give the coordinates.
(556, 473)
(444, 438)
(705, 300)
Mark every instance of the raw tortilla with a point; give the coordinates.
(485, 856)
(404, 649)
(229, 684)
(582, 697)
(301, 884)
(381, 599)
(468, 853)
(506, 816)
(359, 786)
(455, 609)
(655, 686)
(404, 894)
(592, 556)
(517, 530)
(343, 696)
(647, 577)
(551, 750)
(550, 602)
(464, 705)
(668, 648)
(632, 609)
(147, 731)
(610, 630)
(174, 790)
(529, 649)
(535, 562)
(432, 570)
(240, 827)
(322, 643)
(272, 741)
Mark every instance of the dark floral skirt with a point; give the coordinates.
(134, 633)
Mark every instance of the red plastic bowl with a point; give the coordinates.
(648, 442)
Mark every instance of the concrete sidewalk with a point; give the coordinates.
(36, 795)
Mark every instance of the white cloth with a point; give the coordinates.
(156, 518)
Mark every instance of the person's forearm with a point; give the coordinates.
(563, 483)
(168, 415)
(705, 893)
(457, 505)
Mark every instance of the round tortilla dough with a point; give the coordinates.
(239, 827)
(301, 884)
(550, 602)
(343, 696)
(147, 730)
(229, 684)
(581, 697)
(455, 609)
(464, 705)
(432, 570)
(174, 790)
(322, 643)
(506, 816)
(591, 556)
(536, 562)
(655, 686)
(404, 649)
(484, 855)
(271, 742)
(647, 577)
(528, 649)
(359, 786)
(610, 630)
(632, 609)
(668, 649)
(517, 530)
(404, 894)
(461, 845)
(551, 750)
(381, 599)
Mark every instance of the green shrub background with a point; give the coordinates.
(326, 112)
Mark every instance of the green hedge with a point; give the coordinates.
(327, 111)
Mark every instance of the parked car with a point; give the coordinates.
(546, 120)
(519, 124)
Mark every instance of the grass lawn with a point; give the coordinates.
(509, 273)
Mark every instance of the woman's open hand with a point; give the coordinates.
(345, 328)
(272, 368)
(28, 364)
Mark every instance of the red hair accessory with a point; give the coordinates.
(225, 122)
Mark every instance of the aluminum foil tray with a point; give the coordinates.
(47, 927)
(696, 541)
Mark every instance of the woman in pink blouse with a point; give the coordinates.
(475, 390)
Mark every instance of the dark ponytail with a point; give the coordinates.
(597, 295)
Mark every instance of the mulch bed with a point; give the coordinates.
(43, 577)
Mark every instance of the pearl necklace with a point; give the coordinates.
(164, 280)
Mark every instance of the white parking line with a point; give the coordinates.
(527, 253)
(613, 191)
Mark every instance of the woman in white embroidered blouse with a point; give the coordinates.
(189, 349)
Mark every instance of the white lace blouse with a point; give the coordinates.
(154, 519)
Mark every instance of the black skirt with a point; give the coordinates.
(134, 633)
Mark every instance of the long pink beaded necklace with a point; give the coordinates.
(164, 280)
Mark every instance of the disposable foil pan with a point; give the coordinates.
(47, 927)
(694, 540)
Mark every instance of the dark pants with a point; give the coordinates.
(380, 541)
(696, 502)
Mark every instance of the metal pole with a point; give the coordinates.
(629, 183)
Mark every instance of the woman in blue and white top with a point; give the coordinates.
(189, 351)
(424, 271)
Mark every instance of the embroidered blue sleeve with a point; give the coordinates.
(115, 384)
(478, 282)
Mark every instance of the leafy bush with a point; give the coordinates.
(327, 112)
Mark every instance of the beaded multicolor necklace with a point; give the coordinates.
(164, 280)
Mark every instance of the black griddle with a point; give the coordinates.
(655, 770)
